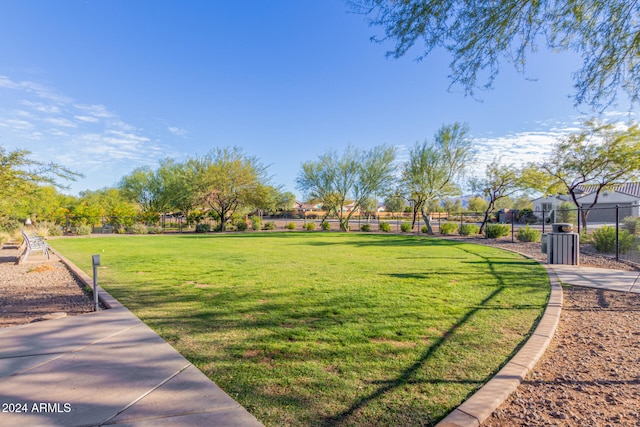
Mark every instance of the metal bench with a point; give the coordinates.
(34, 243)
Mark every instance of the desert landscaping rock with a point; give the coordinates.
(37, 292)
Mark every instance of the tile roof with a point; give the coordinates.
(629, 188)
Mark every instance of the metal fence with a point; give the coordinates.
(610, 231)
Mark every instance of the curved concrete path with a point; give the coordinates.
(104, 368)
(601, 278)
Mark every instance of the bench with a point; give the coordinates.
(34, 243)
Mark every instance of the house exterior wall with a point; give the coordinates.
(609, 198)
(606, 212)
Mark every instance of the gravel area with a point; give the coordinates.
(589, 376)
(37, 291)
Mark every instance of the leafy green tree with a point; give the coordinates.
(369, 207)
(21, 179)
(477, 204)
(499, 183)
(179, 186)
(337, 181)
(523, 202)
(271, 199)
(285, 201)
(145, 187)
(482, 34)
(395, 202)
(452, 205)
(599, 156)
(229, 181)
(433, 168)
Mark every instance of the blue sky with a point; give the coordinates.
(105, 86)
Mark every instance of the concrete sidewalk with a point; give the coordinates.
(105, 368)
(600, 278)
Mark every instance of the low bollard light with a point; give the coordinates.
(95, 260)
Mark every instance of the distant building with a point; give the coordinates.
(626, 196)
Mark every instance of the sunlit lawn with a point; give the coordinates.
(328, 328)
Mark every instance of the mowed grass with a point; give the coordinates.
(328, 328)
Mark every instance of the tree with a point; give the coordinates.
(179, 186)
(285, 201)
(433, 168)
(271, 199)
(107, 204)
(21, 178)
(353, 178)
(452, 205)
(598, 156)
(477, 204)
(145, 187)
(395, 202)
(500, 182)
(481, 34)
(229, 181)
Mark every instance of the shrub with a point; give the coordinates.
(526, 215)
(121, 230)
(84, 230)
(256, 223)
(497, 230)
(528, 235)
(43, 227)
(424, 229)
(468, 229)
(632, 224)
(291, 226)
(365, 227)
(448, 228)
(405, 227)
(241, 225)
(203, 228)
(385, 226)
(155, 229)
(310, 226)
(326, 226)
(55, 230)
(604, 240)
(269, 225)
(10, 225)
(139, 229)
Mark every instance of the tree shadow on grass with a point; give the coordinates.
(407, 376)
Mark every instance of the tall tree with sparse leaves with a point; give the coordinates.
(435, 166)
(481, 35)
(599, 156)
(351, 179)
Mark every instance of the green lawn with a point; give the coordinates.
(328, 328)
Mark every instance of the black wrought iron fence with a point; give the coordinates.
(612, 231)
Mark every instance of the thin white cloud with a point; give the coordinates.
(62, 122)
(86, 137)
(87, 119)
(41, 107)
(178, 131)
(17, 124)
(94, 110)
(36, 89)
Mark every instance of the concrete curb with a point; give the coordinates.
(473, 411)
